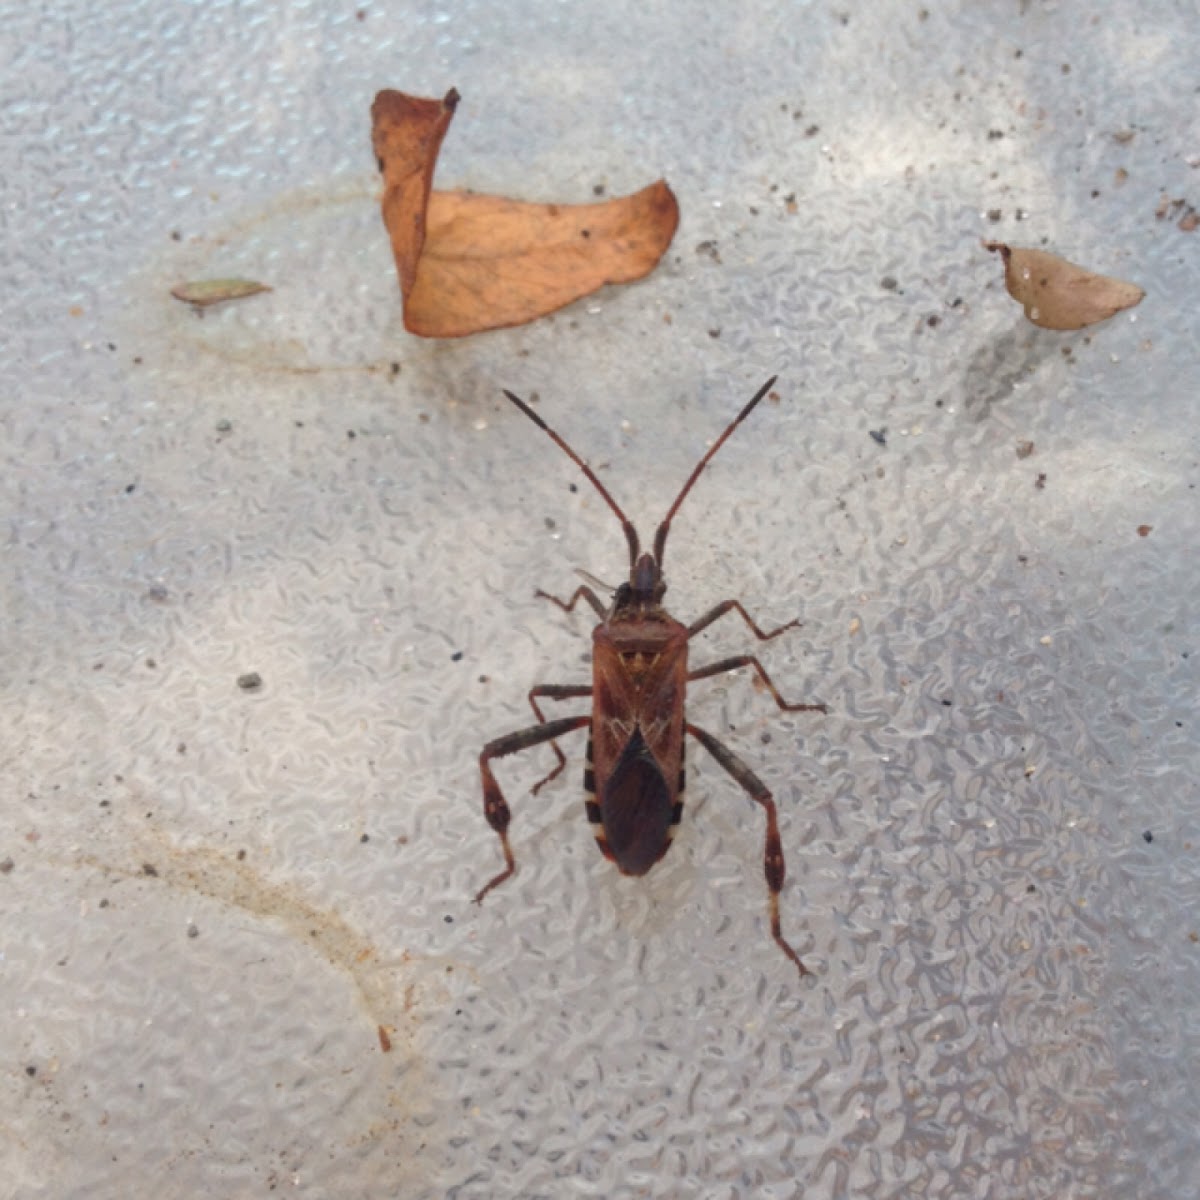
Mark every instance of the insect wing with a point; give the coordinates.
(636, 808)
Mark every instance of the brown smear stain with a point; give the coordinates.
(1057, 294)
(469, 262)
(219, 876)
(394, 994)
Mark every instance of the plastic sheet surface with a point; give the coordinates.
(219, 903)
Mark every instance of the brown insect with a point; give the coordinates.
(634, 779)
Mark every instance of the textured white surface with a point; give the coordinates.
(215, 897)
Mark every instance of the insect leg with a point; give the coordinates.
(748, 660)
(495, 807)
(569, 605)
(715, 614)
(555, 691)
(773, 865)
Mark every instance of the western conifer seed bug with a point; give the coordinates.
(634, 778)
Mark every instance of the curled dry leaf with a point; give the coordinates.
(468, 263)
(1057, 294)
(204, 293)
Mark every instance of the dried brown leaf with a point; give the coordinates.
(1057, 294)
(468, 262)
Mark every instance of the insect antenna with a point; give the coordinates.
(626, 525)
(660, 537)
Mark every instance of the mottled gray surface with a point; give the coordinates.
(213, 898)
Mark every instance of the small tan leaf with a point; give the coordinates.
(1057, 294)
(206, 292)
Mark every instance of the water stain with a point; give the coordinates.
(329, 311)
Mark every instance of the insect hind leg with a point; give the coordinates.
(774, 866)
(495, 807)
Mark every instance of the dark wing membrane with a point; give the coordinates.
(636, 809)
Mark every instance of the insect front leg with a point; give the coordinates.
(774, 866)
(748, 660)
(555, 691)
(581, 592)
(495, 807)
(715, 614)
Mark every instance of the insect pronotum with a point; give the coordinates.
(634, 778)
